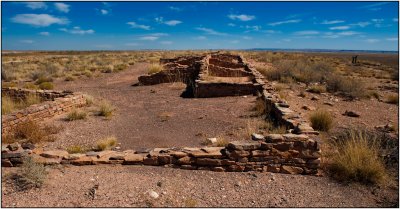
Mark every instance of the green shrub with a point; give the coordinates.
(46, 86)
(357, 159)
(321, 120)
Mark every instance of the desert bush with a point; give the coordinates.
(46, 86)
(393, 99)
(76, 115)
(106, 109)
(8, 84)
(357, 158)
(317, 89)
(164, 116)
(43, 79)
(106, 143)
(321, 120)
(30, 86)
(29, 132)
(107, 69)
(120, 67)
(260, 108)
(7, 105)
(154, 68)
(351, 87)
(69, 78)
(30, 175)
(76, 149)
(89, 100)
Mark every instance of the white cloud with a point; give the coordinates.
(177, 9)
(231, 24)
(306, 32)
(103, 11)
(392, 39)
(271, 31)
(372, 40)
(284, 22)
(44, 33)
(361, 24)
(348, 33)
(160, 20)
(27, 41)
(247, 37)
(340, 28)
(210, 31)
(234, 42)
(287, 40)
(149, 38)
(395, 19)
(373, 7)
(330, 22)
(77, 30)
(62, 7)
(39, 20)
(152, 36)
(166, 42)
(377, 20)
(253, 28)
(200, 38)
(36, 5)
(135, 25)
(242, 17)
(172, 22)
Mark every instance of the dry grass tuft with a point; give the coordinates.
(357, 159)
(31, 132)
(106, 109)
(46, 86)
(317, 89)
(155, 68)
(8, 105)
(106, 143)
(393, 99)
(76, 149)
(321, 120)
(190, 203)
(76, 115)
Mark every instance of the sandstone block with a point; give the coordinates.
(283, 146)
(208, 162)
(273, 138)
(54, 154)
(132, 159)
(244, 145)
(260, 153)
(291, 169)
(6, 163)
(151, 161)
(235, 168)
(218, 169)
(257, 137)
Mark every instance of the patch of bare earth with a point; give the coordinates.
(130, 186)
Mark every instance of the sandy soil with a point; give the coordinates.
(130, 186)
(151, 116)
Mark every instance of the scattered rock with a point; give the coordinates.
(257, 137)
(314, 98)
(28, 146)
(328, 103)
(305, 107)
(211, 140)
(351, 114)
(244, 145)
(13, 146)
(291, 169)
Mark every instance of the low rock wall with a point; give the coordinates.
(58, 103)
(279, 153)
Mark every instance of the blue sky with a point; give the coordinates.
(199, 25)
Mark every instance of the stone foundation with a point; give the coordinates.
(56, 103)
(286, 153)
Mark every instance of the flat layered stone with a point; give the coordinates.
(208, 162)
(283, 146)
(272, 138)
(185, 160)
(260, 153)
(46, 161)
(295, 137)
(151, 161)
(131, 159)
(84, 160)
(291, 169)
(54, 154)
(257, 137)
(202, 154)
(244, 145)
(178, 154)
(74, 156)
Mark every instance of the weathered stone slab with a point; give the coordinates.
(208, 162)
(244, 145)
(54, 154)
(132, 159)
(291, 169)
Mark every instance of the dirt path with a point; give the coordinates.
(138, 121)
(129, 186)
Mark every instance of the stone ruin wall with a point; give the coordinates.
(279, 153)
(55, 103)
(295, 152)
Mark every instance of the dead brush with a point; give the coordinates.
(106, 143)
(76, 114)
(29, 132)
(393, 99)
(356, 158)
(30, 175)
(321, 120)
